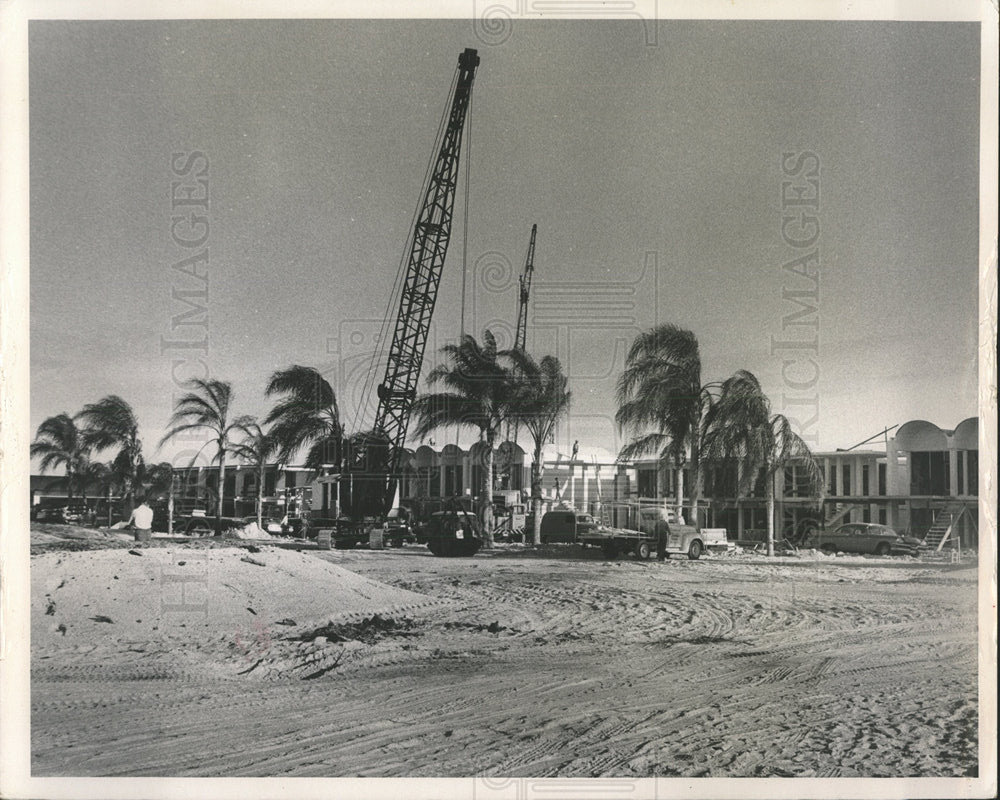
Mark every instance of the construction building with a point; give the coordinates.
(924, 477)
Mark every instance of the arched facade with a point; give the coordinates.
(925, 474)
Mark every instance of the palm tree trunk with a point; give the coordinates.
(260, 496)
(170, 508)
(680, 488)
(536, 495)
(487, 501)
(135, 455)
(695, 484)
(770, 515)
(222, 491)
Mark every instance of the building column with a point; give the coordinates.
(586, 493)
(953, 487)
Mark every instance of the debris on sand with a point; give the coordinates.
(493, 627)
(369, 630)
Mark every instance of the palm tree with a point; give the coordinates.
(105, 478)
(59, 443)
(110, 422)
(661, 389)
(480, 396)
(206, 406)
(155, 479)
(91, 474)
(541, 398)
(740, 427)
(255, 449)
(306, 415)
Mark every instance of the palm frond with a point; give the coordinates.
(110, 422)
(307, 413)
(644, 445)
(479, 390)
(206, 406)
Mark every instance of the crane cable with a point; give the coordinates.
(465, 220)
(381, 344)
(465, 231)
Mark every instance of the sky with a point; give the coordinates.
(653, 169)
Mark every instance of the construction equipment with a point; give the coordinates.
(520, 339)
(524, 287)
(376, 458)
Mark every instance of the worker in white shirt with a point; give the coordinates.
(142, 521)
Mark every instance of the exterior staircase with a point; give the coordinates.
(838, 515)
(944, 525)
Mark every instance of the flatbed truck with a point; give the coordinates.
(680, 539)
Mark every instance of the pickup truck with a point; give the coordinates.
(566, 525)
(681, 539)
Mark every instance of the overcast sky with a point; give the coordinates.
(653, 171)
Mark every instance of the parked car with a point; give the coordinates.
(866, 538)
(566, 525)
(70, 514)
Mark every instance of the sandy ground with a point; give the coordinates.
(241, 660)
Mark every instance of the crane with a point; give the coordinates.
(524, 284)
(520, 339)
(381, 453)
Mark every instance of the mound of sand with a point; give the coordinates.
(180, 594)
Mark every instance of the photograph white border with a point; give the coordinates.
(15, 778)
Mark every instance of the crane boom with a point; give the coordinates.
(521, 333)
(430, 238)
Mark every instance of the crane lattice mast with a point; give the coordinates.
(521, 333)
(431, 235)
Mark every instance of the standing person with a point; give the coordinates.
(662, 529)
(142, 521)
